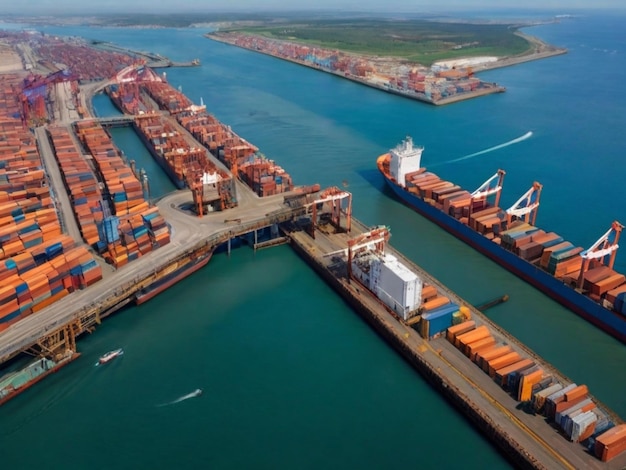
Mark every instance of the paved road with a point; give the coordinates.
(61, 198)
(187, 231)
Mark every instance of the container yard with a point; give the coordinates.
(54, 289)
(581, 279)
(437, 86)
(142, 93)
(39, 264)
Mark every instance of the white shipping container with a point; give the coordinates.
(581, 423)
(396, 285)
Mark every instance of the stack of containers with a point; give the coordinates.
(127, 234)
(437, 321)
(602, 279)
(80, 182)
(432, 299)
(33, 264)
(562, 260)
(518, 237)
(84, 61)
(167, 97)
(569, 407)
(169, 144)
(158, 229)
(127, 97)
(487, 220)
(264, 176)
(617, 299)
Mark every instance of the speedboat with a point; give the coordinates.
(110, 356)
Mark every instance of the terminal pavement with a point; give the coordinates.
(187, 232)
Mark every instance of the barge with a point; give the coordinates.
(172, 278)
(14, 383)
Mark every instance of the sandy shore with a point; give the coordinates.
(540, 50)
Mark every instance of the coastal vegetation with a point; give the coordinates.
(415, 40)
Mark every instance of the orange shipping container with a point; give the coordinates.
(459, 329)
(525, 388)
(501, 374)
(479, 346)
(479, 333)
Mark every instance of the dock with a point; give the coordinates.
(526, 439)
(311, 222)
(152, 59)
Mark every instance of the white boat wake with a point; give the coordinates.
(196, 393)
(528, 135)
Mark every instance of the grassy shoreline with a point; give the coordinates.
(415, 41)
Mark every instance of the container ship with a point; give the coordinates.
(582, 280)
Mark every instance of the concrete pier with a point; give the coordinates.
(527, 440)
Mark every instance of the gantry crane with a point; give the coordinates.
(605, 246)
(335, 197)
(374, 241)
(526, 206)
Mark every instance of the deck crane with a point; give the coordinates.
(492, 186)
(374, 240)
(526, 206)
(606, 245)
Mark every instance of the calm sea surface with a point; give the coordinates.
(292, 378)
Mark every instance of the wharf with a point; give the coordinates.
(488, 90)
(152, 59)
(190, 237)
(526, 439)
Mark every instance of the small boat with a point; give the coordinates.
(110, 356)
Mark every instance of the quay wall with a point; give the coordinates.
(87, 307)
(443, 101)
(381, 324)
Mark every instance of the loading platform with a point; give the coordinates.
(525, 438)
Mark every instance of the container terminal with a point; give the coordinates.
(433, 85)
(129, 250)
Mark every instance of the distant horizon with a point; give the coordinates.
(69, 8)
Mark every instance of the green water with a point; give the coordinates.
(292, 377)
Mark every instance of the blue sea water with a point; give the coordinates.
(291, 376)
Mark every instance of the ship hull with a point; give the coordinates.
(608, 321)
(171, 279)
(36, 379)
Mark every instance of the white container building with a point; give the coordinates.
(391, 281)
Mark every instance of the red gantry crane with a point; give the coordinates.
(373, 241)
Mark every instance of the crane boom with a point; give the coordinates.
(526, 206)
(492, 186)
